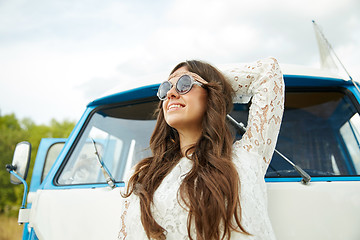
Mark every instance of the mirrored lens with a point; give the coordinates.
(163, 89)
(184, 84)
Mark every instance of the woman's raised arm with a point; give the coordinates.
(263, 81)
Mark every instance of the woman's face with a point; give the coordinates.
(185, 112)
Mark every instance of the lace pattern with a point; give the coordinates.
(123, 233)
(263, 82)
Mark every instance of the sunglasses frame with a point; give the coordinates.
(193, 82)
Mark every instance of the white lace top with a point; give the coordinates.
(263, 81)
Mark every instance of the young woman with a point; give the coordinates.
(199, 184)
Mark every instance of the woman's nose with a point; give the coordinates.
(172, 93)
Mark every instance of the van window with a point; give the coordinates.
(350, 133)
(320, 132)
(52, 154)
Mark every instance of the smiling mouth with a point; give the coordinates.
(175, 106)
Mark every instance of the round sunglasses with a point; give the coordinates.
(183, 86)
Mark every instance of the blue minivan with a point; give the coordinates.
(74, 191)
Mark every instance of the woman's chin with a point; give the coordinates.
(175, 123)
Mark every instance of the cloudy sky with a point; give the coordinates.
(56, 56)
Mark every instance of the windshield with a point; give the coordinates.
(320, 132)
(122, 136)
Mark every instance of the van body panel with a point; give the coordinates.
(320, 210)
(76, 213)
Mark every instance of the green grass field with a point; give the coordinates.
(9, 228)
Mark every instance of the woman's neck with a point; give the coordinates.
(188, 138)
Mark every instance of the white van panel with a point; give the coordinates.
(320, 210)
(76, 214)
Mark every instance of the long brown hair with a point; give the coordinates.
(210, 190)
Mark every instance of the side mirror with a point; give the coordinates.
(21, 160)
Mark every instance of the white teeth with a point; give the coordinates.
(174, 106)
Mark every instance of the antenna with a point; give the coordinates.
(322, 39)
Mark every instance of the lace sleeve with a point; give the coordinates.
(123, 230)
(263, 81)
(125, 203)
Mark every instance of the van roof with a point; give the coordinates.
(146, 86)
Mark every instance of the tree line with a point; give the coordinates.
(12, 131)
